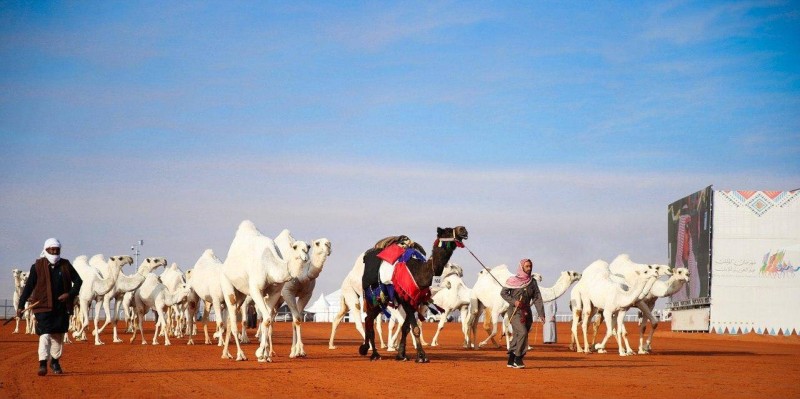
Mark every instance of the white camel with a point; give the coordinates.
(95, 286)
(153, 294)
(205, 279)
(125, 284)
(601, 292)
(351, 301)
(453, 295)
(660, 289)
(624, 271)
(297, 292)
(19, 283)
(255, 267)
(177, 320)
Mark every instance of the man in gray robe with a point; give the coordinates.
(549, 328)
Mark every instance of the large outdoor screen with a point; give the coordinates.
(689, 237)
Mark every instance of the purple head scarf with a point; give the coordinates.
(520, 279)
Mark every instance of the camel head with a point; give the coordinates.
(573, 276)
(182, 293)
(23, 278)
(150, 264)
(649, 274)
(297, 257)
(320, 251)
(537, 277)
(120, 261)
(452, 268)
(681, 274)
(661, 270)
(16, 273)
(447, 240)
(458, 233)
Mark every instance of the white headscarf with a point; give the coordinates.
(51, 243)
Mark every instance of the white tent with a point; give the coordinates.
(321, 309)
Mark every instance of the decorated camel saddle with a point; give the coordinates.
(381, 268)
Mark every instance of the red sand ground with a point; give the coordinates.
(684, 365)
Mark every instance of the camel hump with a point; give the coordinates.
(247, 227)
(388, 241)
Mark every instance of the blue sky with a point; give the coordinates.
(553, 131)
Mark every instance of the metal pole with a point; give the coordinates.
(136, 250)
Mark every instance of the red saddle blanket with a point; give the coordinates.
(407, 288)
(391, 253)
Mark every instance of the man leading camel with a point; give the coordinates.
(521, 292)
(52, 286)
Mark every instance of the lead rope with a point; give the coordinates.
(482, 265)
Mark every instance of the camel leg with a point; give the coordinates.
(420, 310)
(574, 344)
(162, 324)
(470, 325)
(379, 329)
(115, 322)
(394, 330)
(231, 304)
(301, 305)
(586, 315)
(336, 320)
(369, 334)
(84, 316)
(622, 332)
(439, 327)
(401, 345)
(412, 324)
(609, 317)
(492, 332)
(596, 321)
(646, 315)
(96, 332)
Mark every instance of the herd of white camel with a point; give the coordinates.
(268, 273)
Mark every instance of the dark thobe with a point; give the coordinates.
(57, 319)
(522, 318)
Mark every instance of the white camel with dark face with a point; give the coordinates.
(254, 266)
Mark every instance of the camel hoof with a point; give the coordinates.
(241, 358)
(116, 341)
(331, 347)
(601, 351)
(400, 358)
(423, 359)
(362, 350)
(375, 356)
